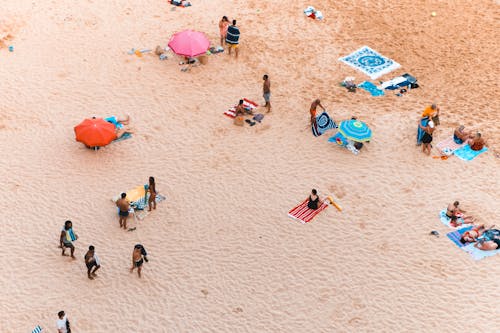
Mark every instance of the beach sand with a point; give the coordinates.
(224, 256)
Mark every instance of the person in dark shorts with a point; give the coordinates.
(123, 206)
(427, 137)
(138, 258)
(67, 237)
(91, 261)
(266, 89)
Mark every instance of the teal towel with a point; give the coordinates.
(467, 154)
(371, 88)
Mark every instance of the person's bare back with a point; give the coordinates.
(123, 204)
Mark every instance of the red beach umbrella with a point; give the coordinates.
(95, 132)
(189, 43)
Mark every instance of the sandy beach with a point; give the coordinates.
(224, 255)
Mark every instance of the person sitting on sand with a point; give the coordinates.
(121, 125)
(476, 143)
(65, 240)
(91, 262)
(460, 135)
(454, 210)
(123, 208)
(427, 138)
(490, 245)
(241, 110)
(314, 201)
(312, 110)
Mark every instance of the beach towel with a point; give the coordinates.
(138, 198)
(248, 104)
(370, 62)
(304, 214)
(37, 329)
(455, 236)
(371, 88)
(406, 80)
(322, 124)
(478, 254)
(420, 132)
(448, 146)
(339, 139)
(467, 154)
(125, 136)
(70, 235)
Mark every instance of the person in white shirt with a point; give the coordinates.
(62, 323)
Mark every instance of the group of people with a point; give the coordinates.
(92, 261)
(229, 35)
(427, 125)
(124, 205)
(485, 238)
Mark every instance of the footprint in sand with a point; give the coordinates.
(238, 310)
(204, 292)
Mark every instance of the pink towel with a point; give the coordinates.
(246, 103)
(305, 214)
(450, 144)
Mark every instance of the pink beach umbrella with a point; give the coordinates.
(189, 43)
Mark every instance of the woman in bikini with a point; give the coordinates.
(223, 24)
(473, 234)
(152, 193)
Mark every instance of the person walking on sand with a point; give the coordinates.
(63, 323)
(123, 207)
(312, 110)
(267, 92)
(223, 25)
(137, 259)
(67, 238)
(233, 38)
(152, 193)
(91, 261)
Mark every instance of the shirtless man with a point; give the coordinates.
(123, 206)
(65, 239)
(91, 262)
(460, 135)
(240, 109)
(137, 259)
(312, 110)
(267, 92)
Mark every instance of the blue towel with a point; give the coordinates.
(114, 121)
(455, 236)
(125, 136)
(371, 88)
(322, 124)
(467, 154)
(233, 35)
(420, 132)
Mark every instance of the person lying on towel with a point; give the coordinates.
(490, 245)
(121, 125)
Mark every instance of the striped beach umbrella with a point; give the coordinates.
(355, 130)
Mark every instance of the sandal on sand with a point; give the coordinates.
(434, 233)
(132, 229)
(252, 123)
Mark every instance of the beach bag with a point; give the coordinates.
(239, 121)
(176, 2)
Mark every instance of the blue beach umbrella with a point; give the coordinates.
(355, 130)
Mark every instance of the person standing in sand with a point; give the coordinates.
(223, 25)
(62, 323)
(152, 193)
(91, 261)
(123, 206)
(312, 110)
(67, 237)
(137, 259)
(427, 137)
(233, 38)
(267, 92)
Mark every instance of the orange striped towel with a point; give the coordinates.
(304, 214)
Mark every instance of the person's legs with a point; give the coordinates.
(139, 270)
(236, 51)
(63, 250)
(229, 49)
(89, 268)
(95, 269)
(72, 247)
(125, 222)
(121, 221)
